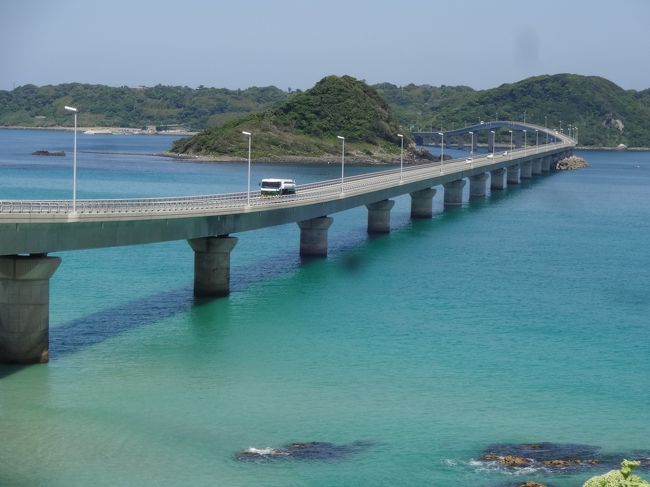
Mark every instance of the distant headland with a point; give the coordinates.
(600, 113)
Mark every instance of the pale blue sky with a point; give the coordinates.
(292, 43)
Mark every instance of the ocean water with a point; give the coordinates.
(519, 318)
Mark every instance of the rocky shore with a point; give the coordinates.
(571, 163)
(352, 159)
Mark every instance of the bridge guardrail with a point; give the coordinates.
(184, 204)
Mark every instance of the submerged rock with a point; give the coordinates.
(313, 450)
(549, 456)
(570, 163)
(43, 152)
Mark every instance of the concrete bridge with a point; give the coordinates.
(508, 134)
(30, 230)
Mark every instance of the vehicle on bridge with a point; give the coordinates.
(277, 187)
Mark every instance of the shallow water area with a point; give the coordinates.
(516, 319)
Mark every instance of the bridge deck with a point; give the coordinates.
(48, 225)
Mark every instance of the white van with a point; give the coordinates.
(274, 187)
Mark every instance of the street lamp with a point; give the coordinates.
(471, 147)
(250, 136)
(536, 141)
(494, 141)
(545, 121)
(74, 161)
(401, 156)
(442, 150)
(342, 159)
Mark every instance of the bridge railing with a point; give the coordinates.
(240, 200)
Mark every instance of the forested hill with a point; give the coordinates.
(605, 114)
(104, 106)
(307, 125)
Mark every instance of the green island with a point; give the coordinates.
(307, 126)
(605, 114)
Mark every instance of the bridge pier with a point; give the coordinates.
(313, 236)
(422, 203)
(454, 192)
(518, 138)
(491, 141)
(379, 216)
(537, 167)
(526, 170)
(212, 265)
(25, 307)
(546, 164)
(498, 178)
(514, 174)
(477, 185)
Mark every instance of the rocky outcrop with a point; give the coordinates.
(312, 450)
(546, 455)
(43, 152)
(613, 123)
(570, 163)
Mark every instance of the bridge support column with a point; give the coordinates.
(422, 203)
(526, 170)
(25, 307)
(313, 236)
(518, 139)
(379, 216)
(537, 167)
(212, 265)
(477, 185)
(491, 141)
(546, 164)
(454, 192)
(498, 178)
(514, 174)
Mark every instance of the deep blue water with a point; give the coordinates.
(519, 318)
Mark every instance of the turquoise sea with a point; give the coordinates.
(520, 318)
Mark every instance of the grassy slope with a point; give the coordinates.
(307, 125)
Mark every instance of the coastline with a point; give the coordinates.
(324, 160)
(101, 130)
(138, 131)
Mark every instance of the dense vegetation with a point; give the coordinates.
(104, 106)
(308, 124)
(595, 105)
(591, 103)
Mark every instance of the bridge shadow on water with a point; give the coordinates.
(92, 329)
(82, 333)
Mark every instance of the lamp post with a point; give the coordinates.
(401, 156)
(442, 150)
(342, 159)
(545, 121)
(74, 161)
(536, 141)
(471, 147)
(510, 143)
(494, 141)
(248, 198)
